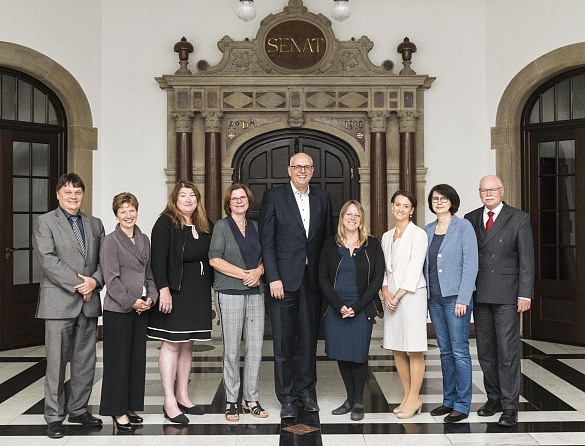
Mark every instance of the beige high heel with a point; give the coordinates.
(397, 409)
(417, 410)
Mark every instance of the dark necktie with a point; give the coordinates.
(490, 221)
(77, 233)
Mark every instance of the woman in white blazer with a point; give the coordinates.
(405, 298)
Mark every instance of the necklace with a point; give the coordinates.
(241, 226)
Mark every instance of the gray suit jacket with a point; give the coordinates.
(126, 269)
(60, 257)
(506, 257)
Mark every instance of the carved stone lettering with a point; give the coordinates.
(295, 44)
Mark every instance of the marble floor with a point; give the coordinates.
(552, 408)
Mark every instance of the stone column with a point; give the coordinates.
(378, 181)
(183, 146)
(213, 191)
(407, 129)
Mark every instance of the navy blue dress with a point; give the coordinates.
(347, 339)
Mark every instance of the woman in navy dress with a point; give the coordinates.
(351, 270)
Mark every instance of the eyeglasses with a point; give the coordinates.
(439, 199)
(489, 191)
(298, 168)
(236, 199)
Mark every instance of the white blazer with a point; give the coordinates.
(409, 259)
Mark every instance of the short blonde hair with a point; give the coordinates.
(123, 198)
(340, 237)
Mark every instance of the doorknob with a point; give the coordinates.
(9, 251)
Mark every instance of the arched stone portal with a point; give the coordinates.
(295, 75)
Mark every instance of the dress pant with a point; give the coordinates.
(241, 314)
(297, 316)
(124, 362)
(452, 334)
(497, 330)
(69, 340)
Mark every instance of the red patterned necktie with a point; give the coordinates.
(490, 221)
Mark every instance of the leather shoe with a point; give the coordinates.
(308, 404)
(193, 410)
(85, 419)
(343, 409)
(509, 418)
(135, 419)
(287, 411)
(455, 416)
(441, 410)
(357, 412)
(490, 408)
(179, 419)
(55, 429)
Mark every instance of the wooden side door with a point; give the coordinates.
(28, 173)
(556, 182)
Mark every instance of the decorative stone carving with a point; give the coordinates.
(183, 121)
(212, 121)
(378, 121)
(296, 118)
(407, 121)
(242, 62)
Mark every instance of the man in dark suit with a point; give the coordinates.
(295, 219)
(504, 289)
(66, 243)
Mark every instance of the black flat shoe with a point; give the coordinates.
(193, 410)
(125, 427)
(55, 429)
(491, 407)
(179, 419)
(135, 419)
(455, 417)
(357, 412)
(509, 418)
(343, 409)
(441, 410)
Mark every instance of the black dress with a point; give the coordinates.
(190, 318)
(347, 339)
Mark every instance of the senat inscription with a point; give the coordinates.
(295, 45)
(241, 124)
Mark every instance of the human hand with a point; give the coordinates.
(460, 310)
(277, 289)
(87, 286)
(347, 312)
(165, 301)
(524, 305)
(87, 297)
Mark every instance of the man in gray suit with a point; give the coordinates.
(504, 289)
(66, 243)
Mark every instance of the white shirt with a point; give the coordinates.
(304, 207)
(496, 212)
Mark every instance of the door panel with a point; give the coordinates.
(556, 173)
(29, 169)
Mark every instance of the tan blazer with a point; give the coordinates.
(409, 259)
(60, 258)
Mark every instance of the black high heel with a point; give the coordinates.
(126, 427)
(135, 419)
(179, 419)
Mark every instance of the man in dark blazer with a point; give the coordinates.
(295, 219)
(504, 289)
(66, 243)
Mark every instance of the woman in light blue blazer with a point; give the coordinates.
(450, 271)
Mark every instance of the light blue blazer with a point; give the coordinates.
(457, 261)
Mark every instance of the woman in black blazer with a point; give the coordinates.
(351, 271)
(130, 291)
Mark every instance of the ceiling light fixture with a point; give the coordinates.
(341, 10)
(246, 10)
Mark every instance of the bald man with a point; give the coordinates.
(504, 289)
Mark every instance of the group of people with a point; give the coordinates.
(161, 289)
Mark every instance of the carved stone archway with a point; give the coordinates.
(506, 135)
(295, 74)
(81, 135)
